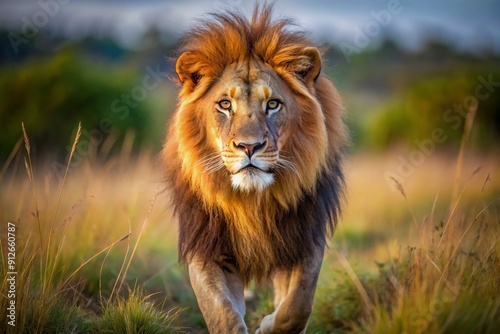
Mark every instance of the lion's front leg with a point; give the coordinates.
(294, 295)
(220, 297)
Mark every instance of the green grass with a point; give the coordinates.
(96, 251)
(135, 315)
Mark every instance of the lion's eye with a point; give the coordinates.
(272, 105)
(225, 104)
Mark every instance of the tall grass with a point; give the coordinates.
(449, 281)
(96, 250)
(445, 277)
(50, 283)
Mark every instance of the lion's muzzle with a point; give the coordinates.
(250, 164)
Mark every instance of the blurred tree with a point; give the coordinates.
(441, 102)
(52, 95)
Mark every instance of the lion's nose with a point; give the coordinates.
(250, 148)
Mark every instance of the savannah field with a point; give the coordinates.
(95, 251)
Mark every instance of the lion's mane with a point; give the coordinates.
(255, 232)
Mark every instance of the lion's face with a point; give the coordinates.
(247, 121)
(250, 123)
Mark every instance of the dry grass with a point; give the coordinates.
(77, 239)
(425, 250)
(417, 256)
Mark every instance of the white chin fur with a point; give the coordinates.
(251, 180)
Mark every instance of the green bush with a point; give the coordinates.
(51, 96)
(441, 102)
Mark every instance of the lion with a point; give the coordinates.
(253, 161)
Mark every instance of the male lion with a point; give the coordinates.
(253, 163)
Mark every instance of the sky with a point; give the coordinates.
(466, 24)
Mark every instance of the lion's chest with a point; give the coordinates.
(261, 246)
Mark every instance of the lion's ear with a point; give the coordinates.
(308, 67)
(188, 69)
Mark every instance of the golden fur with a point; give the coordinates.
(254, 232)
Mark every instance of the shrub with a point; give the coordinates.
(53, 95)
(440, 101)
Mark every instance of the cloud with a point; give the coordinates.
(337, 20)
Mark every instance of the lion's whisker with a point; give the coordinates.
(219, 165)
(208, 158)
(288, 165)
(212, 161)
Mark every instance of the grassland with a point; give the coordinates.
(96, 249)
